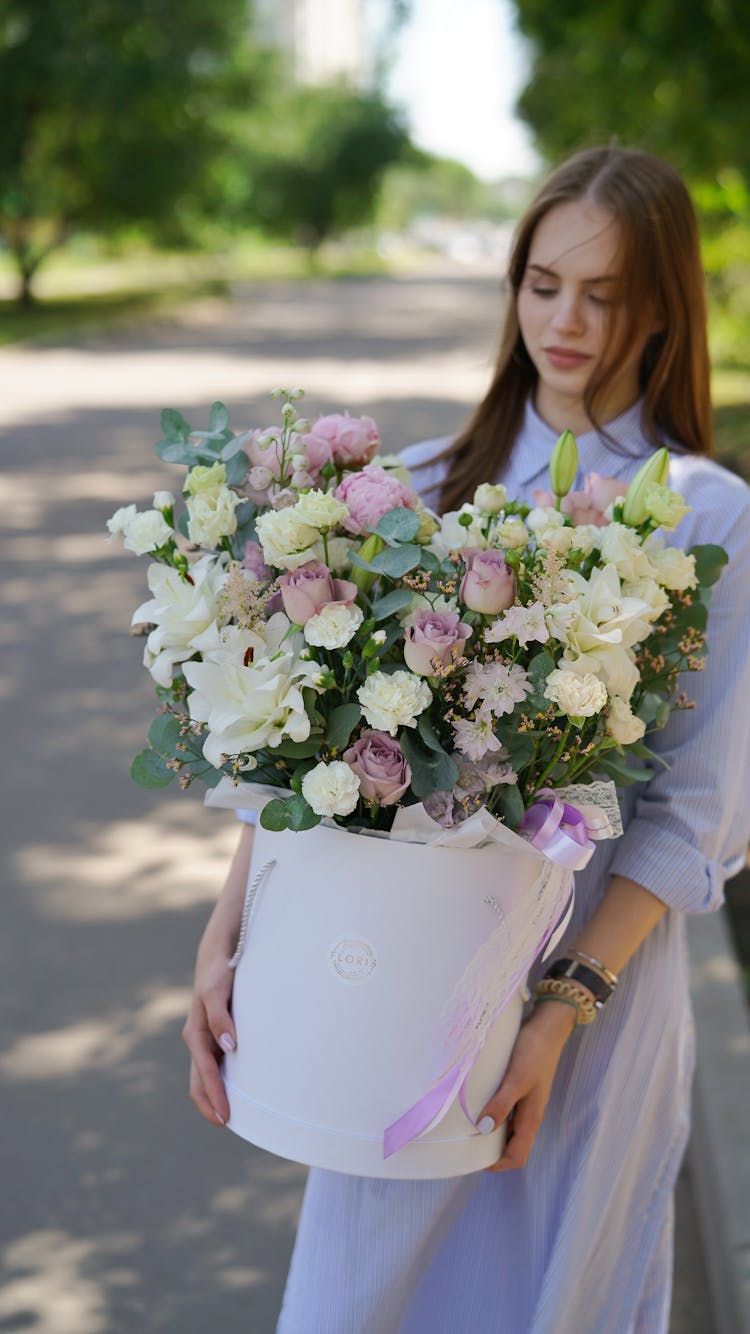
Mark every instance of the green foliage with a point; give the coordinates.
(399, 525)
(341, 723)
(149, 770)
(111, 115)
(432, 770)
(294, 814)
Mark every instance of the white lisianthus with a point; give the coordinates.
(578, 696)
(622, 547)
(211, 515)
(205, 478)
(587, 536)
(180, 611)
(250, 707)
(286, 540)
(544, 516)
(146, 532)
(511, 534)
(163, 500)
(334, 625)
(490, 499)
(393, 700)
(555, 537)
(665, 507)
(331, 789)
(673, 568)
(622, 723)
(454, 535)
(321, 510)
(121, 520)
(649, 591)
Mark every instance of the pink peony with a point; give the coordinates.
(378, 762)
(370, 494)
(433, 635)
(309, 588)
(588, 505)
(489, 585)
(352, 440)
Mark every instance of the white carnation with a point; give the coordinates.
(394, 700)
(673, 569)
(334, 625)
(331, 789)
(622, 723)
(211, 515)
(321, 510)
(511, 534)
(121, 520)
(578, 696)
(146, 532)
(287, 542)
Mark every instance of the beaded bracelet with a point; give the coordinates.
(572, 991)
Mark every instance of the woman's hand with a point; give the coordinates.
(209, 1030)
(527, 1082)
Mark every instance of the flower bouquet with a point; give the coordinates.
(446, 705)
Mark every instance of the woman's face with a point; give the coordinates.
(567, 313)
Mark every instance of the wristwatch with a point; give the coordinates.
(578, 972)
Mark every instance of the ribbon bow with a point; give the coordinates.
(559, 830)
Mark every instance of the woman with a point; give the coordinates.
(571, 1231)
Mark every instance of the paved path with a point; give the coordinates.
(122, 1210)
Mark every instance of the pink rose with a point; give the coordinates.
(378, 762)
(588, 505)
(254, 562)
(431, 635)
(489, 585)
(370, 494)
(306, 590)
(352, 440)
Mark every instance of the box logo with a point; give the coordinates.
(353, 960)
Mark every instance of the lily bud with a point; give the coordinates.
(364, 579)
(563, 465)
(655, 469)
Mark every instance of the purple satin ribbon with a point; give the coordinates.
(558, 830)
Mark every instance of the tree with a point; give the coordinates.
(666, 76)
(314, 159)
(110, 112)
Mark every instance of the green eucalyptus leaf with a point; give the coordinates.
(399, 525)
(709, 562)
(621, 773)
(431, 771)
(237, 469)
(428, 733)
(394, 601)
(300, 814)
(341, 723)
(218, 419)
(298, 750)
(397, 561)
(164, 733)
(149, 770)
(275, 816)
(173, 425)
(510, 804)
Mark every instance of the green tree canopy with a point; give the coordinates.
(110, 113)
(668, 76)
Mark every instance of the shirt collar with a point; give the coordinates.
(533, 448)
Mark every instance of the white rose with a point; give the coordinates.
(334, 625)
(211, 515)
(331, 789)
(205, 478)
(578, 696)
(394, 700)
(121, 520)
(649, 591)
(622, 723)
(287, 542)
(622, 547)
(146, 532)
(163, 500)
(553, 537)
(321, 510)
(490, 499)
(511, 534)
(673, 569)
(544, 516)
(587, 537)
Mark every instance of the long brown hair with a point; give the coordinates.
(660, 269)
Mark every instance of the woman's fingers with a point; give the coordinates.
(527, 1118)
(206, 1084)
(216, 1004)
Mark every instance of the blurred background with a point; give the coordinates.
(200, 201)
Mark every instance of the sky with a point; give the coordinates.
(459, 66)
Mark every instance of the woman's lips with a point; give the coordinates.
(564, 360)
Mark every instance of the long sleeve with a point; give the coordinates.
(692, 821)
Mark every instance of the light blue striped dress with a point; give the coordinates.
(580, 1240)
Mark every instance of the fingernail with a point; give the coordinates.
(220, 1119)
(227, 1042)
(486, 1125)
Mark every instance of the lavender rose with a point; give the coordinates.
(309, 588)
(489, 585)
(433, 635)
(353, 441)
(378, 762)
(370, 494)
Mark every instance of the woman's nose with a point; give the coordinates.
(568, 316)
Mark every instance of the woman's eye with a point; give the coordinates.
(544, 291)
(599, 300)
